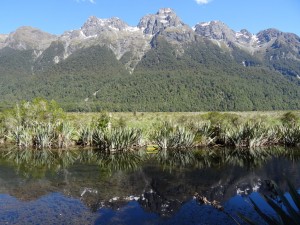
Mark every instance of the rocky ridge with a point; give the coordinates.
(26, 37)
(123, 39)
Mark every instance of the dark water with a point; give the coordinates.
(88, 187)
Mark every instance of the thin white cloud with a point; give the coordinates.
(202, 2)
(91, 1)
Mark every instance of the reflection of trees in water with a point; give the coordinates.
(205, 158)
(124, 161)
(175, 158)
(248, 158)
(255, 157)
(97, 178)
(35, 163)
(31, 163)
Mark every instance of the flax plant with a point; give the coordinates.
(290, 135)
(171, 136)
(21, 136)
(246, 135)
(43, 135)
(116, 139)
(64, 134)
(86, 133)
(207, 135)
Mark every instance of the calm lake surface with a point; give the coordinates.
(88, 187)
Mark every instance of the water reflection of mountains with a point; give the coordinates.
(160, 182)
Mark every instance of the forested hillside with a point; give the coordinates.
(107, 65)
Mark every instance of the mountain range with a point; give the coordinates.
(162, 64)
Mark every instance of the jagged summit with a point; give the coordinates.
(134, 42)
(219, 31)
(154, 23)
(95, 25)
(215, 30)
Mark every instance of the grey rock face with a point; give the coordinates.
(267, 35)
(244, 36)
(178, 35)
(154, 23)
(112, 33)
(254, 44)
(2, 40)
(26, 38)
(280, 45)
(215, 30)
(94, 26)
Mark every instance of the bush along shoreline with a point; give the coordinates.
(42, 124)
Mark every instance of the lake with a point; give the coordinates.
(90, 187)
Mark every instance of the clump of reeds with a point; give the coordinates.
(170, 136)
(207, 134)
(289, 135)
(85, 134)
(21, 136)
(64, 135)
(43, 135)
(249, 134)
(115, 139)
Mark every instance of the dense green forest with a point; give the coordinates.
(201, 77)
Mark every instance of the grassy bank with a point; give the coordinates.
(41, 124)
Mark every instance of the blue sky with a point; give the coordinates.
(57, 16)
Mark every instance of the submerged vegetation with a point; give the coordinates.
(43, 125)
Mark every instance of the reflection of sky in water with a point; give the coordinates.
(58, 209)
(51, 209)
(99, 192)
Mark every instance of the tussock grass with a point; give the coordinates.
(41, 124)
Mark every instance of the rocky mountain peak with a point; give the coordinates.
(29, 38)
(94, 25)
(215, 30)
(243, 36)
(245, 32)
(267, 35)
(164, 18)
